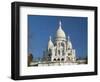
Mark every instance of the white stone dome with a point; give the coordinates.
(69, 44)
(60, 33)
(50, 43)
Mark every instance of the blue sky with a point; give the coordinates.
(41, 27)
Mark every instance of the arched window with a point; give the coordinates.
(68, 48)
(59, 52)
(56, 52)
(69, 54)
(62, 44)
(50, 50)
(63, 52)
(49, 55)
(62, 59)
(54, 59)
(58, 59)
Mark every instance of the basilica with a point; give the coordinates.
(60, 49)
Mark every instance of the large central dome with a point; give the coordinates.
(60, 33)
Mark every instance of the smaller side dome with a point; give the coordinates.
(50, 43)
(69, 44)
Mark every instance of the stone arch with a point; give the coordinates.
(50, 50)
(58, 59)
(54, 59)
(69, 54)
(62, 59)
(62, 44)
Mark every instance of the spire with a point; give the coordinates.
(68, 38)
(60, 25)
(49, 37)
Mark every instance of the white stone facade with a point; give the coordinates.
(61, 49)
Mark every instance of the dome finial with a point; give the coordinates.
(68, 38)
(60, 24)
(49, 37)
